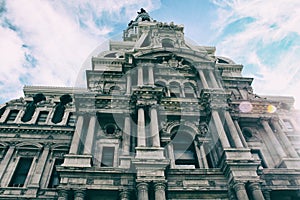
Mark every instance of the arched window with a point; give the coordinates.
(60, 108)
(163, 85)
(247, 132)
(184, 149)
(189, 90)
(30, 108)
(174, 89)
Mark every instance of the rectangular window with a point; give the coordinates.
(21, 172)
(107, 156)
(12, 116)
(184, 155)
(42, 117)
(55, 179)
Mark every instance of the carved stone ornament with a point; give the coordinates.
(203, 129)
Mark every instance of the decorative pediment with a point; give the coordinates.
(188, 54)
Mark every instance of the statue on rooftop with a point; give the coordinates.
(143, 15)
(142, 11)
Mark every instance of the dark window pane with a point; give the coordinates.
(21, 172)
(55, 179)
(42, 117)
(12, 116)
(107, 156)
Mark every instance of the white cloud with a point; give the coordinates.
(273, 23)
(11, 60)
(58, 35)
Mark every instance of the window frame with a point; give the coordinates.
(99, 150)
(52, 171)
(29, 170)
(9, 121)
(39, 115)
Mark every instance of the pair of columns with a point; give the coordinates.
(140, 81)
(213, 82)
(201, 155)
(159, 191)
(233, 126)
(78, 194)
(141, 132)
(78, 135)
(283, 149)
(254, 191)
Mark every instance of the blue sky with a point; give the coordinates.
(46, 42)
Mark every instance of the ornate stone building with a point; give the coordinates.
(160, 119)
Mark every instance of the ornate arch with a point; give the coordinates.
(191, 127)
(30, 145)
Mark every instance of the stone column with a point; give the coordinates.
(213, 79)
(40, 167)
(150, 75)
(171, 155)
(6, 160)
(126, 136)
(285, 141)
(274, 142)
(128, 84)
(141, 134)
(203, 156)
(124, 195)
(199, 147)
(255, 191)
(79, 194)
(235, 136)
(240, 133)
(240, 191)
(154, 127)
(159, 190)
(76, 136)
(203, 79)
(182, 92)
(62, 194)
(140, 81)
(88, 145)
(142, 191)
(220, 130)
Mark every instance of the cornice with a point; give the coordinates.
(36, 129)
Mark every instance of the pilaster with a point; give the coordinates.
(141, 133)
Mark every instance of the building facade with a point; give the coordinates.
(160, 119)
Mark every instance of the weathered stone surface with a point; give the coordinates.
(159, 119)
